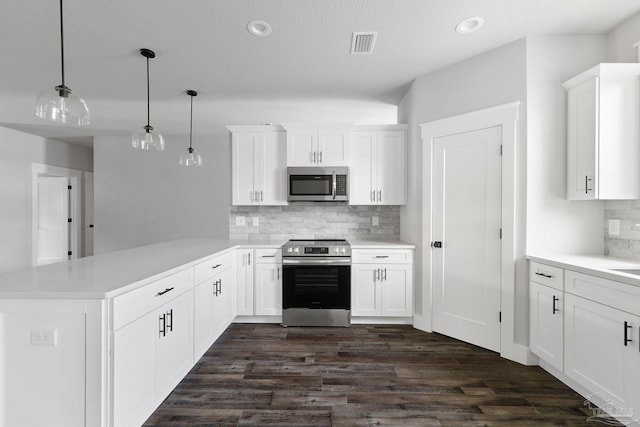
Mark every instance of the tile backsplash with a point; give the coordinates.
(308, 220)
(627, 243)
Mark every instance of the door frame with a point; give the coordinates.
(504, 116)
(75, 197)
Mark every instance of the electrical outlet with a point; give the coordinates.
(375, 221)
(614, 227)
(256, 221)
(44, 337)
(240, 220)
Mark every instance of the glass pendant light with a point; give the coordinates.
(191, 157)
(58, 104)
(147, 139)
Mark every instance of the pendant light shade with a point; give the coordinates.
(191, 157)
(58, 104)
(148, 138)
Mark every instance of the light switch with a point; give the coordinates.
(240, 220)
(614, 227)
(256, 221)
(374, 221)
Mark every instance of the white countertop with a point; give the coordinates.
(595, 265)
(114, 273)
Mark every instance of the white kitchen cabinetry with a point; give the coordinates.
(378, 173)
(602, 351)
(244, 281)
(153, 347)
(546, 312)
(212, 299)
(381, 283)
(258, 165)
(313, 146)
(268, 282)
(603, 138)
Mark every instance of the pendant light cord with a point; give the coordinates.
(62, 43)
(191, 122)
(148, 101)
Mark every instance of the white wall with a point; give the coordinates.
(554, 224)
(17, 151)
(621, 39)
(147, 197)
(492, 78)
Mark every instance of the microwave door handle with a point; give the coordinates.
(334, 185)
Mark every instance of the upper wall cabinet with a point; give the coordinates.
(317, 146)
(603, 140)
(378, 173)
(259, 172)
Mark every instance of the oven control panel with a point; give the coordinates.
(318, 248)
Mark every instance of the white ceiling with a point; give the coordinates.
(303, 71)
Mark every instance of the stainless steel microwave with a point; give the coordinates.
(318, 184)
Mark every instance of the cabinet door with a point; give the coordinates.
(596, 356)
(134, 371)
(221, 312)
(245, 155)
(582, 140)
(546, 313)
(302, 147)
(396, 286)
(244, 282)
(273, 169)
(365, 290)
(173, 342)
(333, 148)
(391, 167)
(361, 178)
(268, 290)
(204, 316)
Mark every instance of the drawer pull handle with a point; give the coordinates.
(627, 340)
(548, 276)
(267, 256)
(164, 292)
(382, 256)
(216, 266)
(555, 300)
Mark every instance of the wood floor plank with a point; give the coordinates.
(365, 375)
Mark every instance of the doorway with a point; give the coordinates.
(511, 319)
(55, 214)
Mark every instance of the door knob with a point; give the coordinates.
(436, 244)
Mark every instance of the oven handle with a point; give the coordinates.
(317, 261)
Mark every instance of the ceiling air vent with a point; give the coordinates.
(363, 43)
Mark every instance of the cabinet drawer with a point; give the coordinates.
(139, 302)
(211, 267)
(268, 256)
(620, 295)
(546, 275)
(376, 256)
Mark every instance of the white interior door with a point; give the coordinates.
(53, 215)
(466, 202)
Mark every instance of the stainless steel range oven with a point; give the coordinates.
(316, 283)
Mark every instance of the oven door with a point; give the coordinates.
(316, 283)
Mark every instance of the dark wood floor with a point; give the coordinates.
(266, 375)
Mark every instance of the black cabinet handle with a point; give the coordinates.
(548, 276)
(627, 340)
(216, 266)
(163, 326)
(164, 292)
(555, 300)
(170, 321)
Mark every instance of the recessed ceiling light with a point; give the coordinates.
(259, 28)
(469, 25)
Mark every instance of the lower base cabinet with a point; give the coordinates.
(151, 355)
(212, 311)
(546, 323)
(602, 353)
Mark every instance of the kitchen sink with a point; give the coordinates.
(635, 271)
